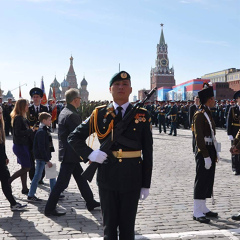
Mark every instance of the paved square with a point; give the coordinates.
(165, 214)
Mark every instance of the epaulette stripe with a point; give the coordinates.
(143, 109)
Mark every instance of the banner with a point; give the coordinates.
(54, 106)
(44, 98)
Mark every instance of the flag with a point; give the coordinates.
(54, 106)
(20, 93)
(44, 98)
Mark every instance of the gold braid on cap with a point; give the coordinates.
(93, 126)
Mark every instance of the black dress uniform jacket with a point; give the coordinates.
(127, 174)
(32, 115)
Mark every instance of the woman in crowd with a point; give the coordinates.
(21, 141)
(4, 173)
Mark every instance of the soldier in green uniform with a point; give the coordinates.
(205, 155)
(124, 172)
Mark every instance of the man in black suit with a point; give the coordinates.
(68, 120)
(192, 110)
(32, 116)
(233, 125)
(124, 172)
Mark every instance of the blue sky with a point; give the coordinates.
(37, 39)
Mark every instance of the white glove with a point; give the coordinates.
(97, 156)
(230, 137)
(168, 117)
(144, 193)
(208, 162)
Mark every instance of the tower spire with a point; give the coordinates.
(162, 40)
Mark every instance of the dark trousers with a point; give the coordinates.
(173, 128)
(66, 171)
(32, 169)
(204, 180)
(8, 127)
(118, 210)
(193, 142)
(161, 123)
(235, 162)
(6, 188)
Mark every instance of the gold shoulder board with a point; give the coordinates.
(144, 109)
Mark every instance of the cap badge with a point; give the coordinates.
(123, 75)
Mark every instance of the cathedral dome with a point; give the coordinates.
(65, 83)
(55, 83)
(84, 82)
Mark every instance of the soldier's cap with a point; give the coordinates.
(119, 77)
(9, 98)
(36, 91)
(172, 101)
(205, 93)
(236, 95)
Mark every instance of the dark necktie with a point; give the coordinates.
(37, 111)
(118, 117)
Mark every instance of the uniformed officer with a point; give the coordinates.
(161, 117)
(205, 155)
(192, 110)
(124, 172)
(32, 116)
(233, 125)
(36, 108)
(235, 149)
(173, 118)
(6, 115)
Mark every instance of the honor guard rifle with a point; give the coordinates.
(120, 127)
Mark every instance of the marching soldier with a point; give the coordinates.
(32, 116)
(233, 125)
(172, 114)
(206, 155)
(124, 172)
(192, 110)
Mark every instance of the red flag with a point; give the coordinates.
(20, 94)
(54, 106)
(44, 98)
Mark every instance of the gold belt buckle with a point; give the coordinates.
(119, 153)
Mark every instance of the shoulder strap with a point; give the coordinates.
(213, 136)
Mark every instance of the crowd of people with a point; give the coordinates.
(124, 162)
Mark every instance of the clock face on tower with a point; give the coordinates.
(163, 62)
